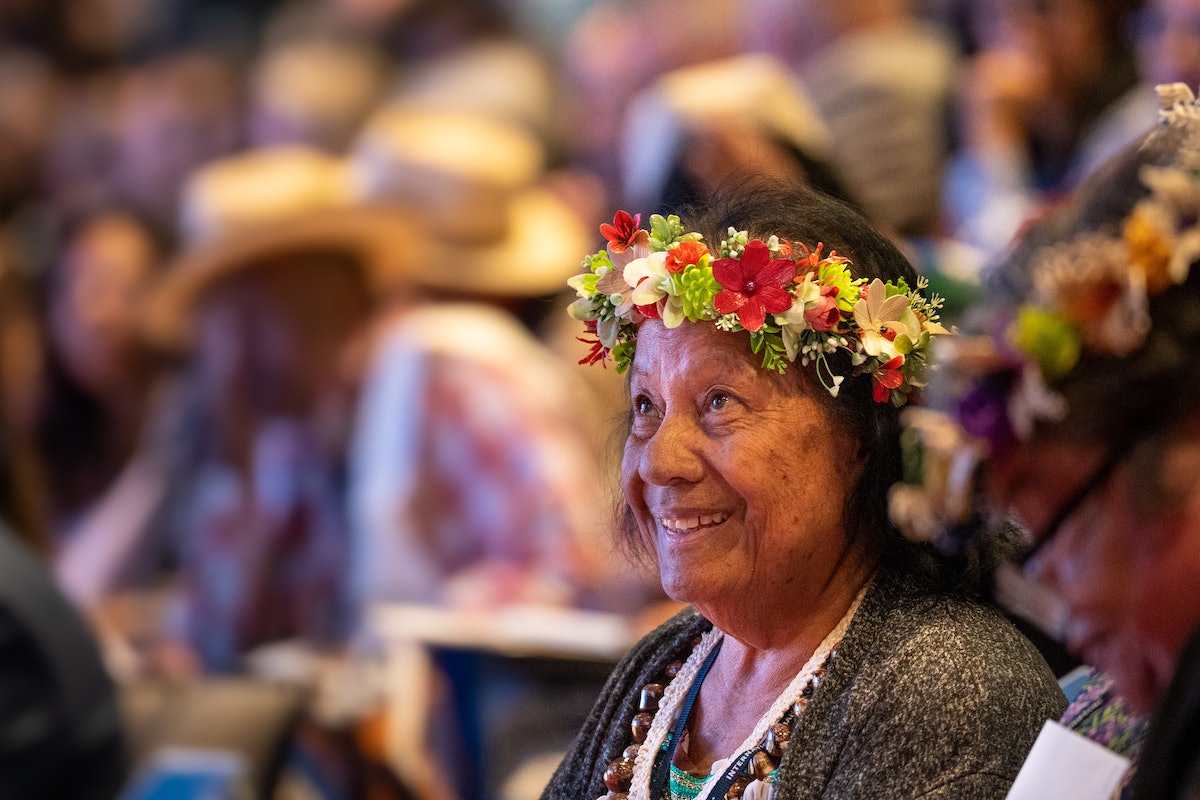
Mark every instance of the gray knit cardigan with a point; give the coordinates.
(929, 697)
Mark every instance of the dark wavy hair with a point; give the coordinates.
(804, 215)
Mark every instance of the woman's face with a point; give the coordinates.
(1126, 573)
(104, 276)
(736, 476)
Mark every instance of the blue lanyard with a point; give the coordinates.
(661, 772)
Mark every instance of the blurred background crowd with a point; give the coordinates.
(280, 301)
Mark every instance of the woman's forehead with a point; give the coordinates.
(693, 348)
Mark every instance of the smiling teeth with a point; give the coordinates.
(692, 523)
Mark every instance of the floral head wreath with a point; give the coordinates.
(797, 302)
(1090, 295)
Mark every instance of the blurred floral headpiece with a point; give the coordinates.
(797, 303)
(1090, 295)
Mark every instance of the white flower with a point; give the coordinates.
(877, 312)
(649, 278)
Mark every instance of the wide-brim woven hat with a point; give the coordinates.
(248, 209)
(477, 187)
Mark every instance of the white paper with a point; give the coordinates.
(1064, 765)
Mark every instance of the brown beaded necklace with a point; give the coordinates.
(757, 763)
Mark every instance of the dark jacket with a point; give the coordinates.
(60, 730)
(929, 696)
(1170, 762)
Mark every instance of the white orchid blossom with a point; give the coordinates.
(876, 313)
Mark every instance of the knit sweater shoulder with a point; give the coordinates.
(930, 696)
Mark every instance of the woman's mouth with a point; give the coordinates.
(692, 523)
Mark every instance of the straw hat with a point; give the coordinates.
(242, 210)
(476, 185)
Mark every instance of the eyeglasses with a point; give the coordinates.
(1094, 482)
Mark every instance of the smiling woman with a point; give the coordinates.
(822, 655)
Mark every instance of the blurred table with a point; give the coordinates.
(515, 631)
(522, 678)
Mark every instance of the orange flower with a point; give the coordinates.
(1149, 252)
(684, 255)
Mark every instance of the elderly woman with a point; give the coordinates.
(1081, 398)
(819, 657)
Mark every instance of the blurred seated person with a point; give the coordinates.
(474, 482)
(238, 491)
(880, 79)
(99, 376)
(1072, 410)
(1052, 93)
(679, 149)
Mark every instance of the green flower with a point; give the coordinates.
(834, 274)
(697, 287)
(1052, 341)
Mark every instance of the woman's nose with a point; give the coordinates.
(672, 454)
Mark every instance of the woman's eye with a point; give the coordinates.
(718, 401)
(642, 405)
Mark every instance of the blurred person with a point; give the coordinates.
(501, 78)
(313, 91)
(60, 724)
(678, 149)
(474, 484)
(132, 134)
(269, 298)
(880, 75)
(98, 375)
(1070, 410)
(1052, 93)
(234, 496)
(221, 549)
(880, 79)
(1168, 39)
(29, 98)
(609, 56)
(169, 116)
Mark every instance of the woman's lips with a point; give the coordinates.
(689, 523)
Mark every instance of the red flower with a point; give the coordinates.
(826, 315)
(683, 256)
(886, 378)
(624, 232)
(649, 311)
(753, 285)
(598, 352)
